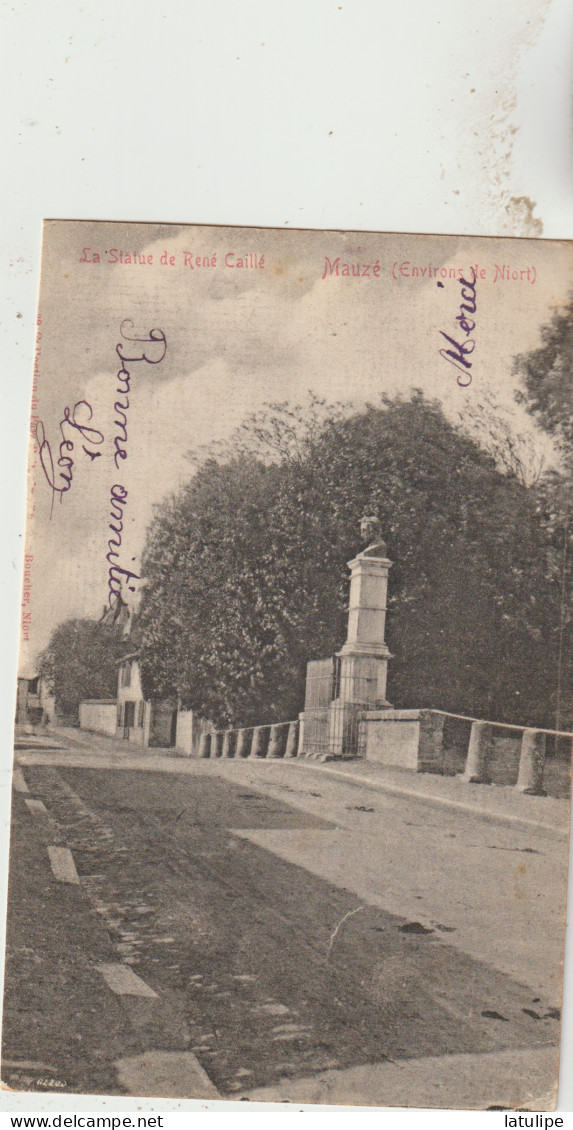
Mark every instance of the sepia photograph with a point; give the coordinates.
(294, 716)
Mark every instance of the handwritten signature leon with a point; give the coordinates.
(74, 427)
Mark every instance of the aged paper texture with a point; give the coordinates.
(291, 794)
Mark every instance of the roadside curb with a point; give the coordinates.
(443, 802)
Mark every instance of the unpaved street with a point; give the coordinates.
(292, 931)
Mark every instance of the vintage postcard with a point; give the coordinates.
(291, 795)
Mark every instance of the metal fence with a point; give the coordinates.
(335, 702)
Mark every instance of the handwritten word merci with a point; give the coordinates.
(459, 352)
(132, 350)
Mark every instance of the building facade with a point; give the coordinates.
(133, 713)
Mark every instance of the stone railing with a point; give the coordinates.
(409, 739)
(531, 756)
(413, 739)
(274, 741)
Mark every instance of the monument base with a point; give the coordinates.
(405, 739)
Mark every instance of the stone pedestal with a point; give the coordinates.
(367, 606)
(363, 661)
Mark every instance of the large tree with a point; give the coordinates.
(246, 576)
(547, 377)
(80, 662)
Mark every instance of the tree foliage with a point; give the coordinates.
(547, 376)
(246, 576)
(81, 662)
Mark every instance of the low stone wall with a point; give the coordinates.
(408, 739)
(99, 716)
(184, 733)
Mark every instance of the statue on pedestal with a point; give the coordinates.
(371, 534)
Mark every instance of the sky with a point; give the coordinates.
(239, 336)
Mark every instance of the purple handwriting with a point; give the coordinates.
(151, 350)
(460, 351)
(74, 427)
(117, 575)
(132, 350)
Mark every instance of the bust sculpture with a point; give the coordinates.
(371, 534)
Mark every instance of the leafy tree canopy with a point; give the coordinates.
(246, 576)
(547, 376)
(80, 662)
